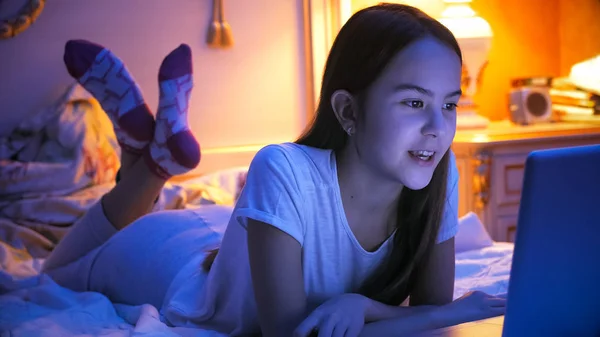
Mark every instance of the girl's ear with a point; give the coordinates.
(344, 108)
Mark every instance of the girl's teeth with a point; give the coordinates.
(423, 155)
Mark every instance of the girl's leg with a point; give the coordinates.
(138, 264)
(105, 76)
(173, 150)
(130, 199)
(89, 232)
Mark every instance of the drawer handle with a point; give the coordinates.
(481, 179)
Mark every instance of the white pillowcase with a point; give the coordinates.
(471, 234)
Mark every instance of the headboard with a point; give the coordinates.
(215, 159)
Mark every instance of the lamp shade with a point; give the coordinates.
(474, 36)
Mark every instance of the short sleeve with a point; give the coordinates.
(271, 193)
(449, 225)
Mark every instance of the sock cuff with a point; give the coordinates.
(130, 149)
(153, 166)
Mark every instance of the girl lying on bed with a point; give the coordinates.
(330, 234)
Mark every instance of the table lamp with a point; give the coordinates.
(474, 36)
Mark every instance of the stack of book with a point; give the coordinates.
(571, 102)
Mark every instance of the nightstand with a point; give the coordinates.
(491, 165)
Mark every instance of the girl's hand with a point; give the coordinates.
(476, 305)
(342, 316)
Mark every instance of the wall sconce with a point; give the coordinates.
(474, 36)
(219, 32)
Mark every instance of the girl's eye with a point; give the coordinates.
(450, 106)
(414, 104)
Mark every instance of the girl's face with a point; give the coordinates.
(408, 120)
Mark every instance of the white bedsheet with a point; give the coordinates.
(33, 305)
(486, 269)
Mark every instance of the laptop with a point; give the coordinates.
(554, 287)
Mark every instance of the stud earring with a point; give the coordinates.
(349, 131)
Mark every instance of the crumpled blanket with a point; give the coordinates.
(53, 167)
(57, 164)
(485, 269)
(40, 307)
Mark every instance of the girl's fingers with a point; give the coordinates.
(326, 328)
(354, 330)
(339, 330)
(308, 325)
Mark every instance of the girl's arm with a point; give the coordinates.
(434, 287)
(472, 306)
(277, 278)
(435, 281)
(431, 301)
(351, 311)
(430, 318)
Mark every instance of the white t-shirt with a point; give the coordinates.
(294, 188)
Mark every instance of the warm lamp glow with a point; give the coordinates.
(464, 23)
(474, 36)
(460, 9)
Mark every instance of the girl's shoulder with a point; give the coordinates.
(292, 157)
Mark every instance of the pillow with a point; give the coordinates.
(230, 180)
(471, 234)
(220, 187)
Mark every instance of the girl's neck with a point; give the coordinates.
(364, 191)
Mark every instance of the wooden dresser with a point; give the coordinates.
(491, 164)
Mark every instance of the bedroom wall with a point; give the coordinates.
(579, 31)
(251, 94)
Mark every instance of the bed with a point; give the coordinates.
(56, 165)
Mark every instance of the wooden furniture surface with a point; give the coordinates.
(491, 327)
(491, 164)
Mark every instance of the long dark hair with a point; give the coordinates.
(363, 48)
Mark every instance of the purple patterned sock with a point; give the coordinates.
(174, 149)
(105, 76)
